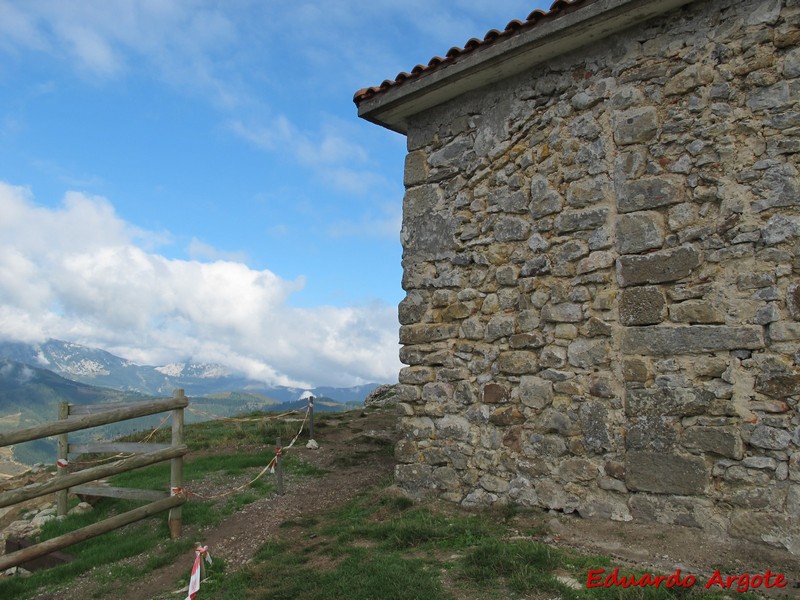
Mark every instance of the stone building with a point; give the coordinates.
(601, 238)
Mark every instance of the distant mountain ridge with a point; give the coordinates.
(97, 367)
(30, 395)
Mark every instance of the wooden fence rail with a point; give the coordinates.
(76, 418)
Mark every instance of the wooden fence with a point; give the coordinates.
(76, 418)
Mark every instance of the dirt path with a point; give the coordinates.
(354, 450)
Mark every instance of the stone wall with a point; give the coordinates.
(601, 262)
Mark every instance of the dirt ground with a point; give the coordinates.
(349, 450)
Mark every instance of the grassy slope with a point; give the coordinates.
(377, 546)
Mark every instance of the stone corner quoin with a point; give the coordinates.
(602, 274)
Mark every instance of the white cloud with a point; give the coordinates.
(80, 273)
(328, 146)
(103, 39)
(199, 250)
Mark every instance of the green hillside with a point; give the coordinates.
(30, 396)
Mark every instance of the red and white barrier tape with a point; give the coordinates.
(194, 580)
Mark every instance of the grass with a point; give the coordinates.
(384, 547)
(375, 546)
(225, 452)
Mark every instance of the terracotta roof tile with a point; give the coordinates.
(557, 9)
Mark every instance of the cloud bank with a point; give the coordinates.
(82, 274)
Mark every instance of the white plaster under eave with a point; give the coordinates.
(498, 61)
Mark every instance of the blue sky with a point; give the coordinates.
(189, 179)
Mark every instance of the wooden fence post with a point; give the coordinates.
(279, 466)
(176, 469)
(61, 460)
(311, 417)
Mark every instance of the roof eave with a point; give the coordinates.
(393, 107)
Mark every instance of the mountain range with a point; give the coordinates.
(35, 378)
(97, 367)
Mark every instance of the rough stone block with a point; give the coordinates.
(479, 497)
(437, 392)
(535, 392)
(517, 362)
(562, 313)
(415, 479)
(500, 326)
(569, 252)
(578, 469)
(658, 267)
(593, 417)
(671, 510)
(695, 311)
(514, 202)
(641, 305)
(446, 479)
(585, 353)
(507, 275)
(725, 441)
(416, 168)
(639, 231)
(411, 308)
(553, 356)
(553, 496)
(594, 262)
(778, 385)
(473, 329)
(520, 341)
(784, 331)
(689, 79)
(456, 312)
(635, 125)
(548, 447)
(552, 420)
(494, 393)
(416, 375)
(507, 415)
(418, 427)
(424, 333)
(513, 438)
(653, 434)
(405, 451)
(791, 64)
(666, 402)
(430, 235)
(755, 281)
(776, 530)
(537, 266)
(662, 473)
(595, 327)
(580, 220)
(780, 229)
(635, 370)
(521, 491)
(545, 200)
(690, 339)
(770, 98)
(492, 483)
(648, 193)
(509, 229)
(770, 438)
(793, 301)
(454, 427)
(585, 192)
